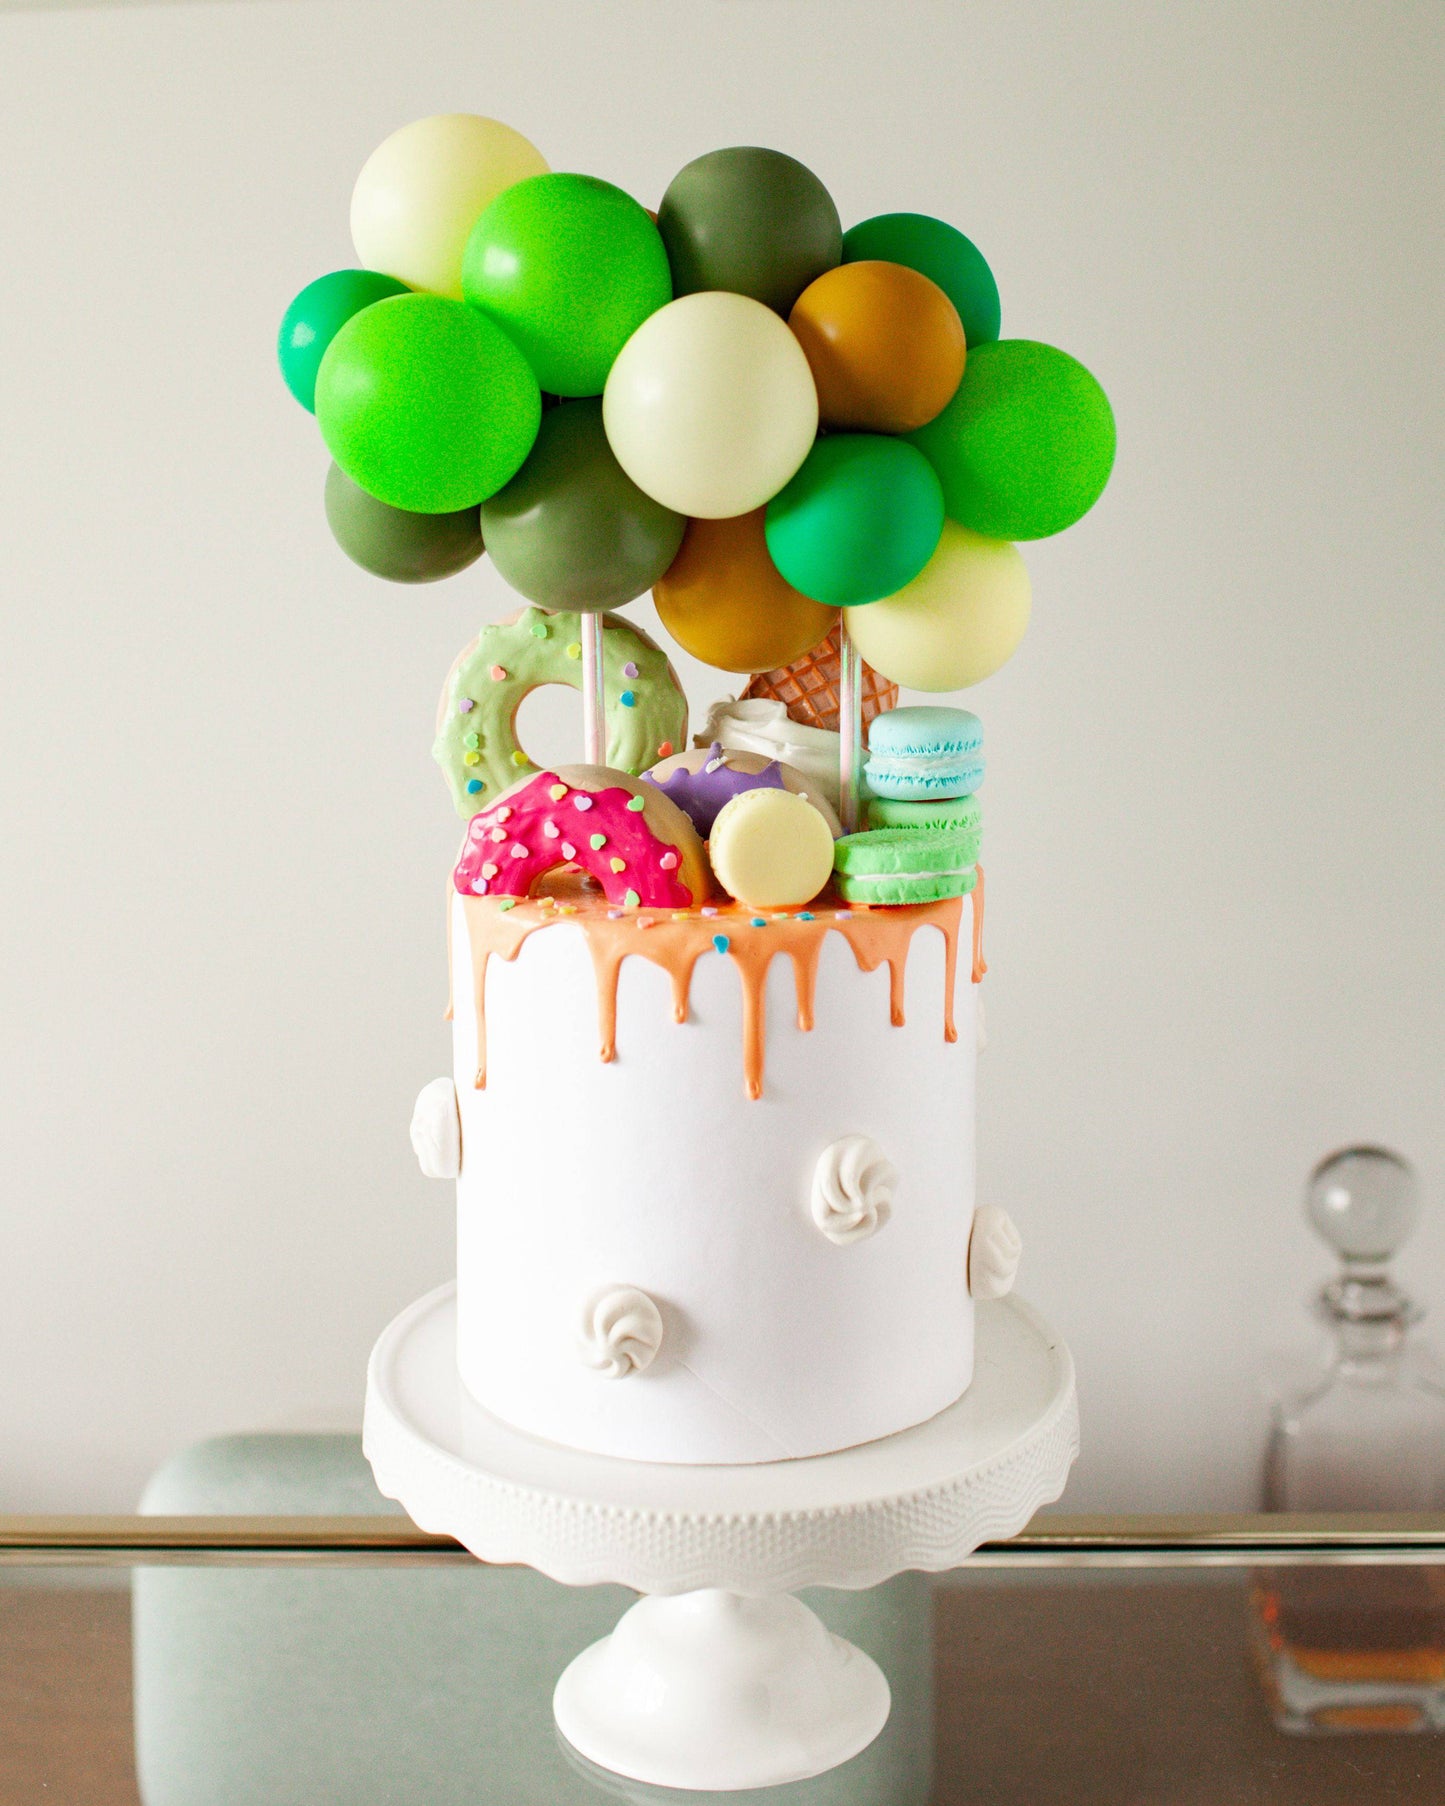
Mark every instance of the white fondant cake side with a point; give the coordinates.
(655, 1175)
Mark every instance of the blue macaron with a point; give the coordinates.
(923, 754)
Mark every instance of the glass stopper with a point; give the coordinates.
(1364, 1203)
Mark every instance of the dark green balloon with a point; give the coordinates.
(936, 250)
(859, 520)
(572, 530)
(752, 221)
(394, 543)
(315, 317)
(1025, 447)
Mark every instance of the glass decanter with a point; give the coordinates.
(1344, 1647)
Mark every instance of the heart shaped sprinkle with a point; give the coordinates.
(597, 842)
(479, 887)
(628, 699)
(466, 705)
(505, 812)
(630, 900)
(721, 942)
(519, 758)
(497, 673)
(668, 862)
(581, 801)
(489, 870)
(556, 792)
(518, 850)
(618, 865)
(665, 750)
(629, 669)
(550, 829)
(637, 804)
(568, 852)
(575, 649)
(499, 834)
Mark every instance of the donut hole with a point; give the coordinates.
(548, 725)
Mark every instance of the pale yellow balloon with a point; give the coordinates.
(710, 406)
(423, 189)
(960, 619)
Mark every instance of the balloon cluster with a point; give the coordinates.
(734, 403)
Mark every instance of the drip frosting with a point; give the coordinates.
(621, 1332)
(675, 940)
(853, 1185)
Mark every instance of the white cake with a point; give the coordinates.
(653, 1262)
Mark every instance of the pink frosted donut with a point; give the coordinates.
(634, 840)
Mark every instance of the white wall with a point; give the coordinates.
(1214, 826)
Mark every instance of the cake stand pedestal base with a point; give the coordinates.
(742, 1692)
(719, 1680)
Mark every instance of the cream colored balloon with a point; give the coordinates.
(422, 190)
(710, 406)
(960, 619)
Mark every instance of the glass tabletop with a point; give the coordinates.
(273, 1662)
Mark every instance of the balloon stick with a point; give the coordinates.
(850, 726)
(594, 703)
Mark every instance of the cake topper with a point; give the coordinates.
(685, 364)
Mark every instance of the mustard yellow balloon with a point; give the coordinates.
(424, 188)
(724, 601)
(960, 619)
(710, 405)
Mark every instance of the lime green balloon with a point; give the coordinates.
(570, 266)
(572, 530)
(1025, 447)
(936, 250)
(859, 520)
(395, 544)
(426, 403)
(315, 317)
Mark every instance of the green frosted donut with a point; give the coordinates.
(476, 744)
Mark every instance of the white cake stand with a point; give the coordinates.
(719, 1680)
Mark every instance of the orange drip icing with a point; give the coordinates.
(675, 941)
(980, 964)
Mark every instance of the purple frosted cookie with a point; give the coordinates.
(703, 781)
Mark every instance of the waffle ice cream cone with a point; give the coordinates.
(808, 688)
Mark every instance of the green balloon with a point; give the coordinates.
(426, 403)
(572, 530)
(315, 317)
(1025, 447)
(391, 543)
(570, 267)
(940, 252)
(752, 221)
(859, 520)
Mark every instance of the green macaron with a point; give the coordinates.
(904, 865)
(957, 814)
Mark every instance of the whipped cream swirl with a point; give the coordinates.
(436, 1130)
(621, 1332)
(994, 1247)
(853, 1186)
